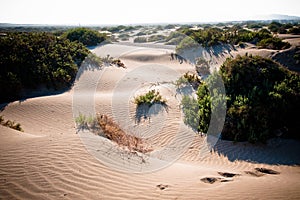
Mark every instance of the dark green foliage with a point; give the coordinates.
(175, 38)
(263, 97)
(150, 98)
(140, 40)
(86, 36)
(141, 33)
(212, 36)
(204, 101)
(294, 30)
(124, 36)
(188, 79)
(209, 108)
(190, 108)
(186, 43)
(263, 100)
(156, 38)
(254, 25)
(274, 27)
(10, 124)
(273, 43)
(30, 60)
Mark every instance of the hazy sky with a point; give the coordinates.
(139, 11)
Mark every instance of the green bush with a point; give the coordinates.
(190, 108)
(86, 36)
(31, 60)
(140, 40)
(150, 98)
(156, 38)
(263, 97)
(124, 37)
(213, 36)
(174, 38)
(273, 43)
(188, 79)
(186, 43)
(294, 30)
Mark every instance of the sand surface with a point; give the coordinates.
(51, 161)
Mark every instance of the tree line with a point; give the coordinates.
(211, 36)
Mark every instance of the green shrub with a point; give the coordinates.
(273, 43)
(31, 60)
(294, 30)
(190, 108)
(263, 97)
(140, 40)
(188, 79)
(174, 38)
(124, 37)
(150, 98)
(155, 38)
(186, 43)
(86, 36)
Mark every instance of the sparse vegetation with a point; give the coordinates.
(86, 123)
(10, 124)
(113, 132)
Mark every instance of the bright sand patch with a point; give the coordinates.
(50, 161)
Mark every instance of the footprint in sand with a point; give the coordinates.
(258, 172)
(162, 187)
(228, 177)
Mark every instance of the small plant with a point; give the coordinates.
(108, 59)
(88, 123)
(10, 124)
(188, 78)
(150, 98)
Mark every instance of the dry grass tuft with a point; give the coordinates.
(114, 133)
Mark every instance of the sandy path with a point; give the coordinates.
(50, 161)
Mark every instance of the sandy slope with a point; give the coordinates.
(51, 161)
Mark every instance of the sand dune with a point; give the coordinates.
(50, 161)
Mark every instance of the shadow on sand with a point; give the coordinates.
(146, 111)
(277, 151)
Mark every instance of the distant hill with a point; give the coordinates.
(276, 17)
